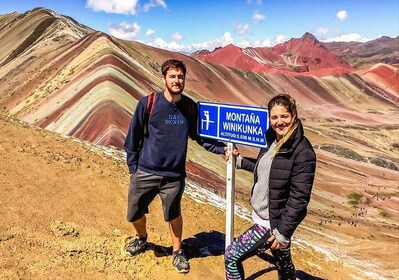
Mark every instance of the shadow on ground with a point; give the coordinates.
(201, 245)
(300, 274)
(205, 244)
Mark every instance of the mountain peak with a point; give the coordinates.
(309, 36)
(42, 9)
(231, 46)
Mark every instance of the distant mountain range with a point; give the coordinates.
(64, 76)
(381, 50)
(305, 54)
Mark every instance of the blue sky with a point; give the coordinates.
(191, 25)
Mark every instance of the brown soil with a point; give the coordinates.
(63, 217)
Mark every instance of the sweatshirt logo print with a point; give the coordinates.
(175, 120)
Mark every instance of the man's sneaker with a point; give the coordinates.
(137, 245)
(180, 262)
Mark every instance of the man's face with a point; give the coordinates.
(174, 81)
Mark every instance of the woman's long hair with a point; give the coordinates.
(289, 103)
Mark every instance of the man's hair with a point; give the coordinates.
(289, 103)
(173, 63)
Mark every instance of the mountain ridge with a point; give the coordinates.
(297, 55)
(356, 53)
(381, 50)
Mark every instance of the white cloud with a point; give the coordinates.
(241, 28)
(258, 17)
(175, 46)
(281, 39)
(172, 46)
(176, 36)
(155, 3)
(322, 32)
(342, 15)
(160, 43)
(254, 44)
(352, 37)
(126, 7)
(124, 30)
(222, 41)
(226, 39)
(244, 44)
(149, 32)
(264, 43)
(113, 6)
(208, 45)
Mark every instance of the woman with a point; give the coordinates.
(283, 179)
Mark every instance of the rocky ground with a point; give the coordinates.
(63, 210)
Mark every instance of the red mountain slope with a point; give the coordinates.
(383, 76)
(236, 57)
(305, 54)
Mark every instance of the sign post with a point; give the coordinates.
(233, 124)
(230, 186)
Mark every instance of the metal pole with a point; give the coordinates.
(230, 184)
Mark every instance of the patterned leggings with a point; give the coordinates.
(246, 246)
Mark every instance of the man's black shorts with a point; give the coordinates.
(143, 189)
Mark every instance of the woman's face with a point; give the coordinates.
(280, 120)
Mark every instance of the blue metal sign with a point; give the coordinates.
(233, 123)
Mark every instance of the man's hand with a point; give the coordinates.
(227, 153)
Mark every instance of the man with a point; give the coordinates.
(156, 157)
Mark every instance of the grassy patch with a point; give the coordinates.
(385, 214)
(354, 198)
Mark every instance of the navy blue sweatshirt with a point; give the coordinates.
(164, 150)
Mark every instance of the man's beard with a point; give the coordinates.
(173, 91)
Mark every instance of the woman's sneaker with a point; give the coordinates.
(180, 262)
(137, 245)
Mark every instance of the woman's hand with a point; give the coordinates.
(275, 245)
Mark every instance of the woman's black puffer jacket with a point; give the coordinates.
(291, 179)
